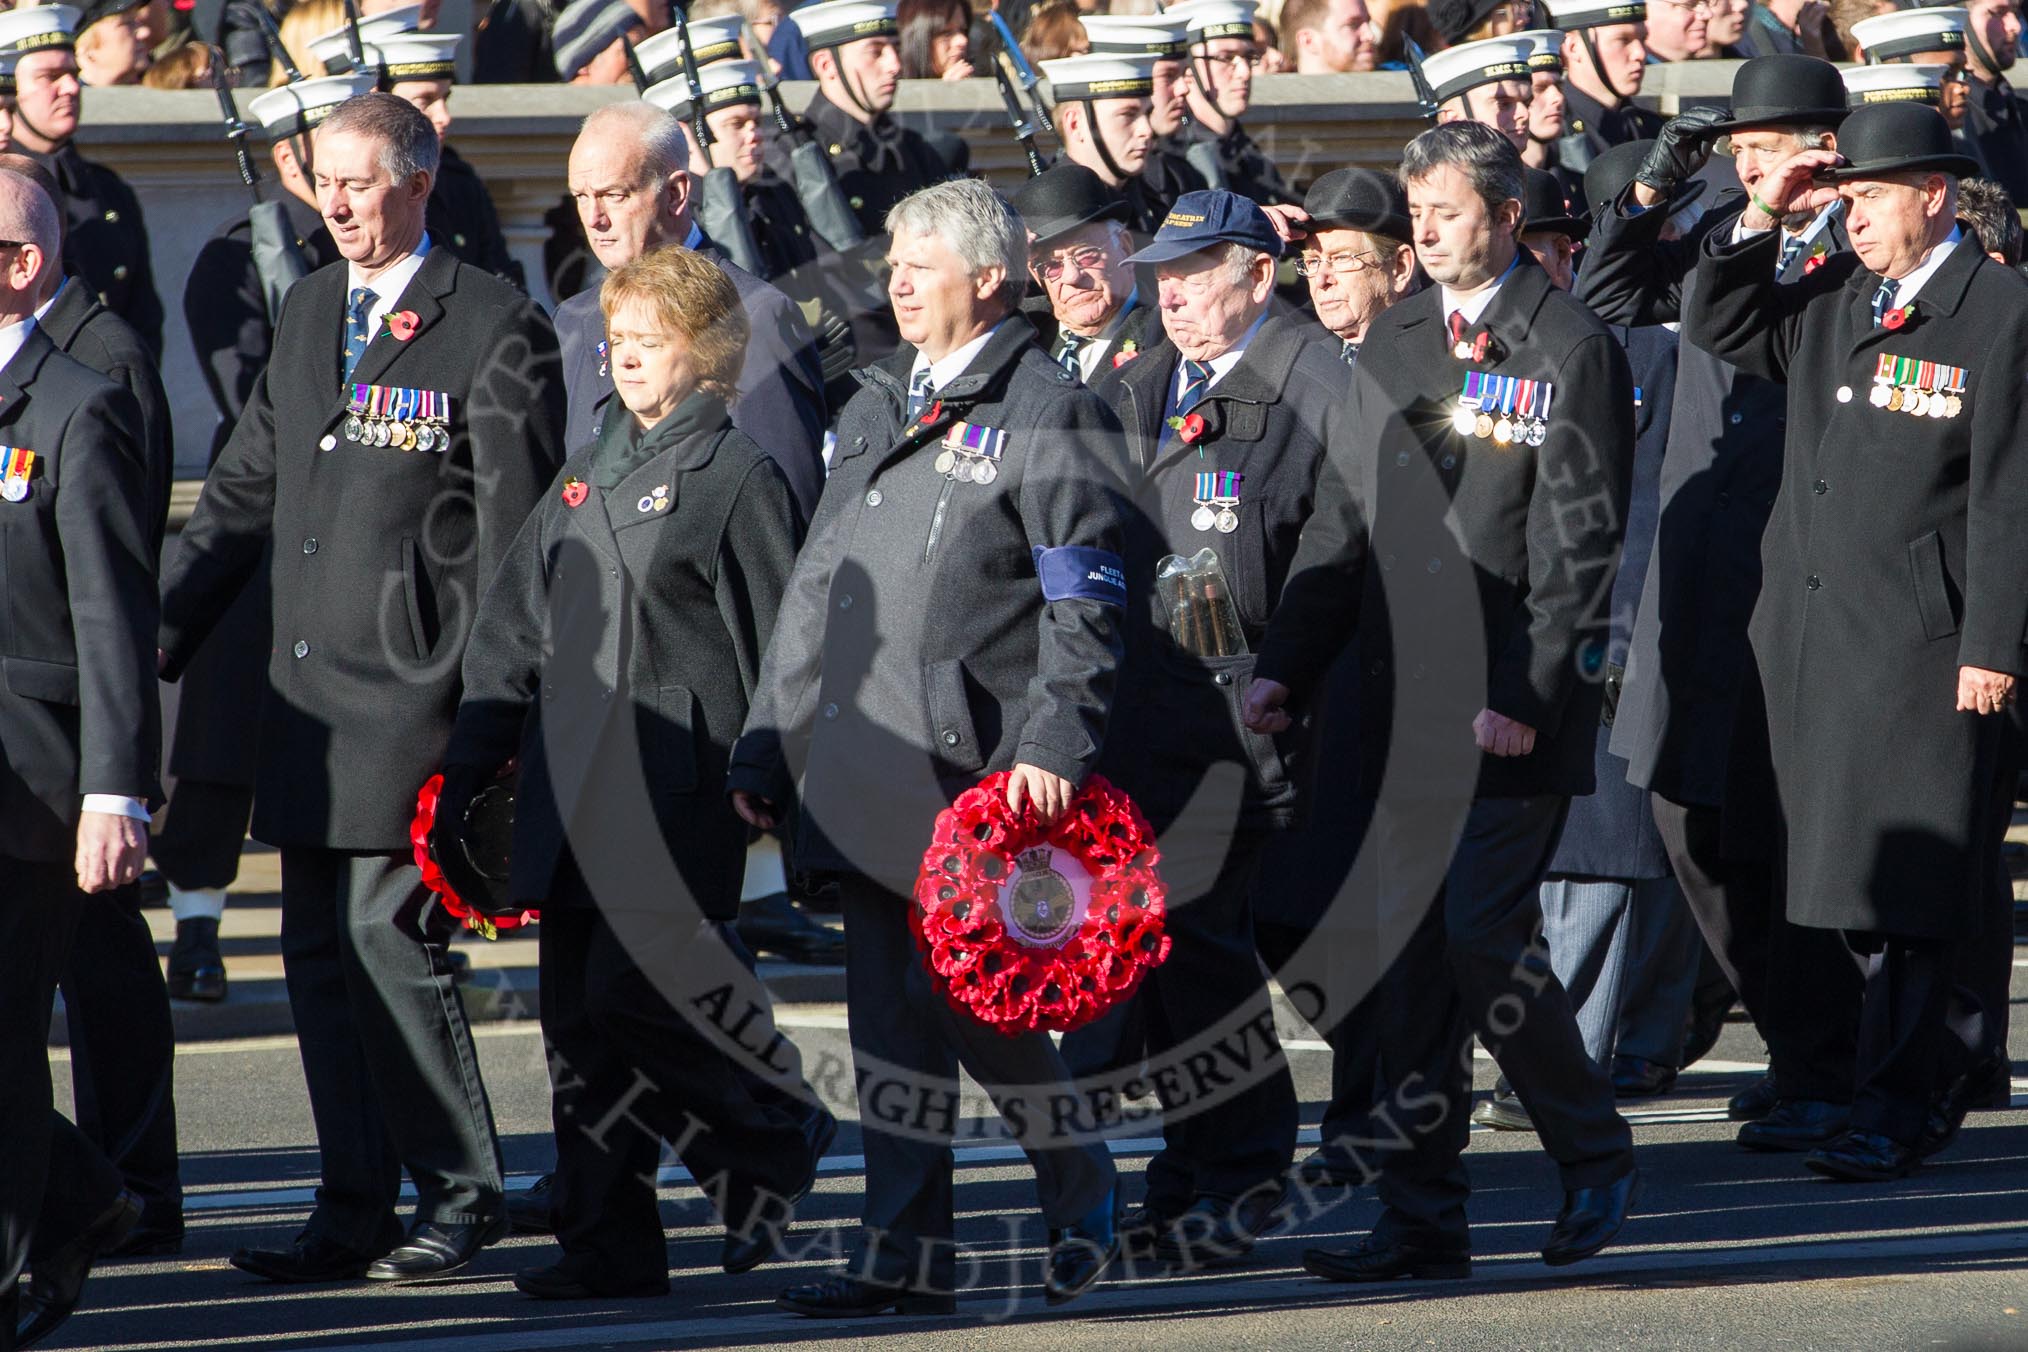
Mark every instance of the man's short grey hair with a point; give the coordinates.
(408, 143)
(978, 225)
(28, 216)
(1484, 156)
(664, 148)
(1239, 263)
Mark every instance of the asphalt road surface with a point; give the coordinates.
(1728, 1249)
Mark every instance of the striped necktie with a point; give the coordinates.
(918, 393)
(1068, 346)
(1196, 380)
(1348, 352)
(1883, 299)
(356, 336)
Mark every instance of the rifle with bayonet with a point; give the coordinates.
(1009, 56)
(720, 209)
(816, 180)
(277, 257)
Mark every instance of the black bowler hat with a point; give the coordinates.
(1059, 200)
(1359, 199)
(1608, 175)
(1456, 19)
(1787, 89)
(1893, 138)
(1545, 208)
(1208, 217)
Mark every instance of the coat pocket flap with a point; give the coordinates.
(50, 682)
(1932, 586)
(957, 737)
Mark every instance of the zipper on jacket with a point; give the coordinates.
(936, 529)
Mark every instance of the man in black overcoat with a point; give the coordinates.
(1091, 311)
(1889, 629)
(938, 629)
(409, 418)
(1475, 571)
(79, 726)
(1688, 726)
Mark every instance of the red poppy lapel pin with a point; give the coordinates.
(1898, 319)
(575, 491)
(1188, 428)
(1128, 351)
(403, 324)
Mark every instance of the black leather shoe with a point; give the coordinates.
(1327, 1169)
(528, 1210)
(152, 1238)
(309, 1259)
(434, 1249)
(196, 971)
(572, 1281)
(850, 1298)
(1504, 1111)
(775, 924)
(1797, 1124)
(1864, 1157)
(52, 1292)
(1755, 1101)
(1380, 1260)
(1217, 1231)
(1080, 1254)
(1590, 1219)
(746, 1249)
(1638, 1077)
(1990, 1088)
(1143, 1227)
(1949, 1105)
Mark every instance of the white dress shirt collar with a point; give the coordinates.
(952, 365)
(13, 338)
(1913, 282)
(1474, 305)
(387, 287)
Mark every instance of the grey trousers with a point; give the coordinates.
(387, 1055)
(907, 1043)
(1627, 951)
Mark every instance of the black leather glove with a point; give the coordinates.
(1682, 149)
(461, 784)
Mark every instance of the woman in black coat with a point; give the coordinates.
(613, 659)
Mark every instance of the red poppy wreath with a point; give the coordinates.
(433, 875)
(1031, 928)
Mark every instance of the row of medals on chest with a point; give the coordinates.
(400, 419)
(1502, 409)
(1923, 389)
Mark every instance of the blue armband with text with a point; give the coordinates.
(1075, 573)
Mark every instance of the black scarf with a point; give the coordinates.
(624, 446)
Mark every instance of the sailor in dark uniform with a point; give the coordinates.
(1604, 63)
(105, 240)
(1210, 138)
(1487, 81)
(1102, 107)
(1167, 175)
(1996, 120)
(1927, 49)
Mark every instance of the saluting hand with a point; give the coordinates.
(1788, 188)
(1050, 793)
(1984, 692)
(1292, 223)
(110, 849)
(1262, 712)
(1499, 735)
(762, 814)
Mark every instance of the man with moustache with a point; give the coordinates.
(410, 416)
(105, 239)
(1077, 254)
(1604, 60)
(1166, 175)
(1518, 532)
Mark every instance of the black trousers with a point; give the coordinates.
(1232, 1126)
(1356, 1083)
(907, 1044)
(1798, 985)
(1475, 964)
(52, 1179)
(387, 1055)
(1918, 1030)
(123, 1052)
(203, 834)
(628, 1072)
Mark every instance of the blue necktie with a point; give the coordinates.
(1196, 380)
(1883, 299)
(1348, 352)
(1069, 345)
(356, 336)
(1791, 246)
(918, 393)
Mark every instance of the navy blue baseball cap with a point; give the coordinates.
(1205, 219)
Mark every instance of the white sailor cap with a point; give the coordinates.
(1901, 82)
(1545, 49)
(837, 22)
(1109, 76)
(1158, 35)
(725, 84)
(408, 58)
(293, 109)
(711, 40)
(334, 48)
(38, 28)
(1208, 19)
(1886, 37)
(1468, 65)
(1570, 15)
